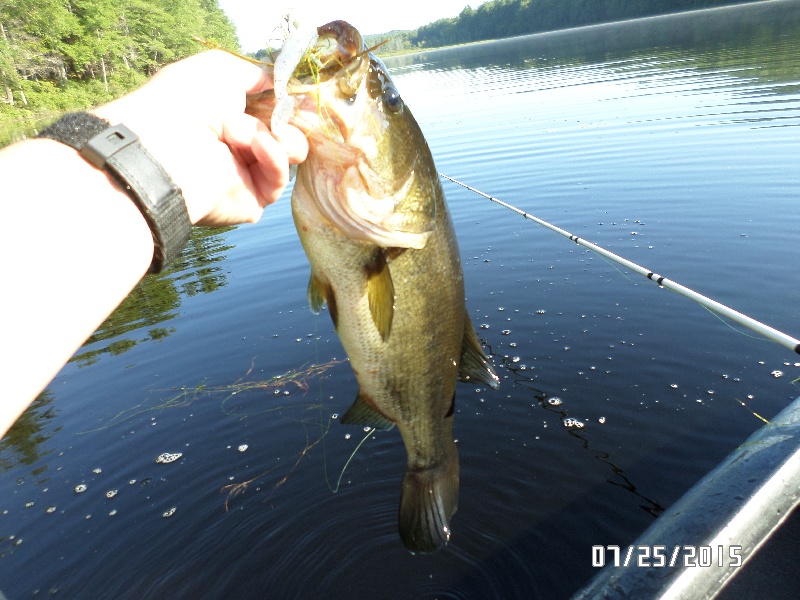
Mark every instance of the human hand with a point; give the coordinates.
(190, 117)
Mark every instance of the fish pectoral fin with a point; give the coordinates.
(428, 499)
(319, 292)
(475, 366)
(316, 294)
(380, 293)
(362, 413)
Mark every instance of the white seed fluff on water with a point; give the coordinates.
(80, 488)
(168, 457)
(111, 493)
(168, 513)
(243, 447)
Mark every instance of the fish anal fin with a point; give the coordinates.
(428, 499)
(475, 366)
(362, 413)
(319, 292)
(380, 293)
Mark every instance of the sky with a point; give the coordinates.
(255, 19)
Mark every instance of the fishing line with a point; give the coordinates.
(764, 330)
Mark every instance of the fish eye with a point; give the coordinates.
(392, 100)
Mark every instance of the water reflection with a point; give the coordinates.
(156, 299)
(732, 41)
(24, 442)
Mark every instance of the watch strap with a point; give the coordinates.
(117, 150)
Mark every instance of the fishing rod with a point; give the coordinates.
(735, 316)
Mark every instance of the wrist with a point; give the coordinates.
(117, 150)
(86, 200)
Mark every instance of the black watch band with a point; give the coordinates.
(118, 151)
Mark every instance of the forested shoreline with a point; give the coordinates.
(507, 18)
(58, 55)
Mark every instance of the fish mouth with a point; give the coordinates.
(334, 95)
(328, 80)
(338, 54)
(337, 87)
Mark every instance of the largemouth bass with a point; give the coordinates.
(371, 215)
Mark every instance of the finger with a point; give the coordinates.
(270, 171)
(295, 143)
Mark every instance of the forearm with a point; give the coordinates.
(76, 244)
(69, 227)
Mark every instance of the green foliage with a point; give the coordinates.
(58, 55)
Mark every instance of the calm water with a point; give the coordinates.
(672, 142)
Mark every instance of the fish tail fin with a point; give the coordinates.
(428, 499)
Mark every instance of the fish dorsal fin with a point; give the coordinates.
(474, 364)
(319, 292)
(361, 413)
(380, 293)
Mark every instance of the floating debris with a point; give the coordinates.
(601, 420)
(28, 504)
(777, 373)
(50, 509)
(554, 401)
(112, 513)
(571, 422)
(168, 457)
(97, 471)
(243, 447)
(168, 513)
(80, 488)
(111, 493)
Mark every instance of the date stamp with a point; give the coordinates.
(662, 556)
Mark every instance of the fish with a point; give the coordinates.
(371, 214)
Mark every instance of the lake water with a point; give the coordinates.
(674, 142)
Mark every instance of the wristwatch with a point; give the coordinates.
(117, 150)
